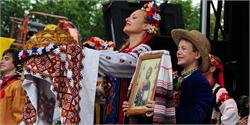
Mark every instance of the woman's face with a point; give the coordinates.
(136, 22)
(6, 64)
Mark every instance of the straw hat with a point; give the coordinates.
(198, 40)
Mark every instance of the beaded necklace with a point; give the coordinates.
(184, 75)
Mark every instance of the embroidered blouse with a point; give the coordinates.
(120, 64)
(228, 113)
(11, 101)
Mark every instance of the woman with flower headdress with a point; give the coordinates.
(140, 27)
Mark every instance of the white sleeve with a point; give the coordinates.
(119, 64)
(228, 110)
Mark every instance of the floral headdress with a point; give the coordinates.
(151, 9)
(215, 61)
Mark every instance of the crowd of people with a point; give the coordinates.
(201, 96)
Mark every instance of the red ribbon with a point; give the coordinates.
(146, 39)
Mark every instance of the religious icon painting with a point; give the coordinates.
(144, 82)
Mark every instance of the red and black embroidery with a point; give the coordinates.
(67, 88)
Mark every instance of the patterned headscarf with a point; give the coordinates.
(154, 18)
(215, 61)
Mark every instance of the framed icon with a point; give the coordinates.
(144, 82)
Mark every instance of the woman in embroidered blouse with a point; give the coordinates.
(140, 26)
(12, 93)
(225, 111)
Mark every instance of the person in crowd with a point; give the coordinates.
(225, 110)
(12, 94)
(243, 106)
(196, 98)
(140, 27)
(149, 16)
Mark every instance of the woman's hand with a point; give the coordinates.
(125, 107)
(243, 121)
(150, 108)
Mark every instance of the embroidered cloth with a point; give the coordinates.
(63, 70)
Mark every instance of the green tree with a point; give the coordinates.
(11, 8)
(191, 13)
(85, 14)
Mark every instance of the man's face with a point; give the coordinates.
(185, 54)
(6, 64)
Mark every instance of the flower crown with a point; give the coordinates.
(151, 9)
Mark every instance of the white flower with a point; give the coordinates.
(157, 17)
(150, 28)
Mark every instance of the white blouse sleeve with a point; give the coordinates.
(228, 109)
(120, 64)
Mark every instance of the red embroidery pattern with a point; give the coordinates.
(223, 97)
(56, 67)
(108, 57)
(29, 115)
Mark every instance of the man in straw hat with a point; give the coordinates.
(226, 111)
(196, 98)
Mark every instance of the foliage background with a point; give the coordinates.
(86, 15)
